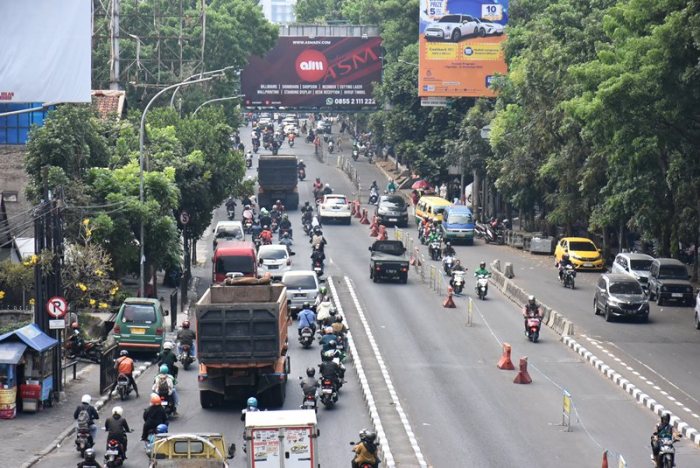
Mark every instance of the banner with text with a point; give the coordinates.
(335, 73)
(460, 46)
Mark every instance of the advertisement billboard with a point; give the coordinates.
(46, 51)
(460, 47)
(333, 73)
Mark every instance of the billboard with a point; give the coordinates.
(334, 73)
(45, 54)
(460, 47)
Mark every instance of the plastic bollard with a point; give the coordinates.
(523, 377)
(505, 362)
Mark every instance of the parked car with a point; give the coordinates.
(584, 254)
(453, 28)
(620, 295)
(490, 29)
(636, 265)
(302, 286)
(669, 281)
(274, 259)
(139, 325)
(392, 210)
(336, 207)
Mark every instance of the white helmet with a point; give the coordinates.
(86, 399)
(168, 345)
(118, 410)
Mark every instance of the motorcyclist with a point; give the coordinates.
(76, 339)
(255, 229)
(306, 318)
(164, 383)
(231, 204)
(374, 187)
(301, 165)
(448, 251)
(286, 241)
(125, 365)
(168, 358)
(482, 270)
(327, 190)
(91, 414)
(391, 186)
(317, 255)
(317, 240)
(117, 428)
(251, 406)
(265, 218)
(307, 208)
(266, 235)
(160, 429)
(318, 186)
(325, 311)
(531, 309)
(562, 264)
(663, 430)
(329, 340)
(186, 336)
(153, 416)
(89, 461)
(339, 328)
(247, 214)
(310, 384)
(279, 207)
(285, 223)
(330, 369)
(366, 450)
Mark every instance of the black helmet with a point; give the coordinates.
(310, 371)
(338, 319)
(370, 436)
(666, 418)
(333, 344)
(123, 352)
(332, 311)
(90, 455)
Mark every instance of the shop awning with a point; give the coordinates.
(32, 336)
(11, 353)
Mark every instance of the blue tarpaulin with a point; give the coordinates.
(11, 353)
(32, 336)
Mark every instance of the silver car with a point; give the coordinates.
(636, 265)
(302, 286)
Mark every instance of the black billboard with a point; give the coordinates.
(335, 73)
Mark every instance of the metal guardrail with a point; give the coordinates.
(74, 365)
(346, 166)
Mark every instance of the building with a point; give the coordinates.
(279, 11)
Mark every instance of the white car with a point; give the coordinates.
(274, 259)
(291, 128)
(302, 286)
(336, 207)
(228, 230)
(487, 28)
(453, 28)
(636, 265)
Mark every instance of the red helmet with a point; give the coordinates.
(74, 325)
(186, 324)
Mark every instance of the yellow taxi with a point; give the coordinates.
(431, 208)
(583, 252)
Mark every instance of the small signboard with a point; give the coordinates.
(57, 324)
(57, 307)
(566, 411)
(184, 217)
(433, 101)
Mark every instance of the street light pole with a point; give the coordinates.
(142, 257)
(200, 75)
(228, 98)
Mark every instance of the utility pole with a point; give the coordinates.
(114, 40)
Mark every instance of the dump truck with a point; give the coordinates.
(277, 180)
(282, 439)
(242, 344)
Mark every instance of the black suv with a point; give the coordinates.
(392, 210)
(620, 295)
(669, 281)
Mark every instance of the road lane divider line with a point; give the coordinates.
(387, 379)
(387, 456)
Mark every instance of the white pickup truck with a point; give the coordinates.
(335, 207)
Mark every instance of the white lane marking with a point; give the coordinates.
(374, 414)
(385, 373)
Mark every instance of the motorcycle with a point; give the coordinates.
(373, 197)
(533, 327)
(329, 395)
(290, 140)
(274, 225)
(247, 226)
(482, 286)
(113, 457)
(77, 347)
(366, 464)
(168, 403)
(667, 453)
(307, 337)
(230, 213)
(310, 401)
(302, 173)
(434, 250)
(275, 149)
(331, 146)
(447, 264)
(186, 356)
(370, 155)
(124, 387)
(308, 229)
(567, 277)
(493, 235)
(457, 281)
(317, 266)
(83, 440)
(248, 160)
(479, 230)
(355, 154)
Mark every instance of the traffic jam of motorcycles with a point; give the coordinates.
(259, 250)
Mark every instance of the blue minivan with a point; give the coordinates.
(458, 224)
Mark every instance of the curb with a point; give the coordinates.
(642, 398)
(56, 443)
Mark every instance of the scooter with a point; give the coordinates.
(310, 402)
(533, 327)
(355, 154)
(567, 277)
(302, 173)
(290, 140)
(83, 440)
(373, 197)
(167, 402)
(123, 386)
(482, 286)
(113, 457)
(434, 249)
(667, 453)
(457, 281)
(318, 268)
(307, 337)
(247, 226)
(249, 160)
(329, 395)
(447, 264)
(230, 213)
(76, 347)
(331, 146)
(186, 356)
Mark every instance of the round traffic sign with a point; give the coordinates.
(184, 217)
(57, 307)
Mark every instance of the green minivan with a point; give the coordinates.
(139, 325)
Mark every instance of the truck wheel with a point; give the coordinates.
(210, 399)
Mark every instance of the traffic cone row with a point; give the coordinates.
(363, 217)
(449, 302)
(505, 363)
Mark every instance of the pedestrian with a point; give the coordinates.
(443, 191)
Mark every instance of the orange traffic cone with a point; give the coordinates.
(358, 211)
(417, 257)
(449, 302)
(382, 235)
(353, 209)
(363, 218)
(605, 459)
(373, 230)
(523, 377)
(505, 363)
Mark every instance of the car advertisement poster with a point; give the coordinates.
(460, 47)
(334, 73)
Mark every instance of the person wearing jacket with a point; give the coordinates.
(153, 416)
(91, 412)
(306, 318)
(169, 358)
(366, 450)
(117, 428)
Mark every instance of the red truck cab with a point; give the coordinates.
(234, 257)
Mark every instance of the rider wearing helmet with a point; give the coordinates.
(285, 223)
(448, 250)
(310, 384)
(265, 218)
(266, 235)
(329, 340)
(117, 427)
(366, 449)
(327, 190)
(91, 414)
(663, 430)
(125, 365)
(482, 270)
(565, 260)
(164, 385)
(153, 417)
(307, 318)
(168, 358)
(251, 405)
(89, 461)
(186, 336)
(531, 309)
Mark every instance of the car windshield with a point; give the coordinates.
(300, 282)
(389, 247)
(625, 287)
(272, 254)
(138, 313)
(393, 201)
(582, 246)
(459, 218)
(673, 272)
(449, 19)
(235, 264)
(229, 233)
(439, 210)
(641, 265)
(337, 200)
